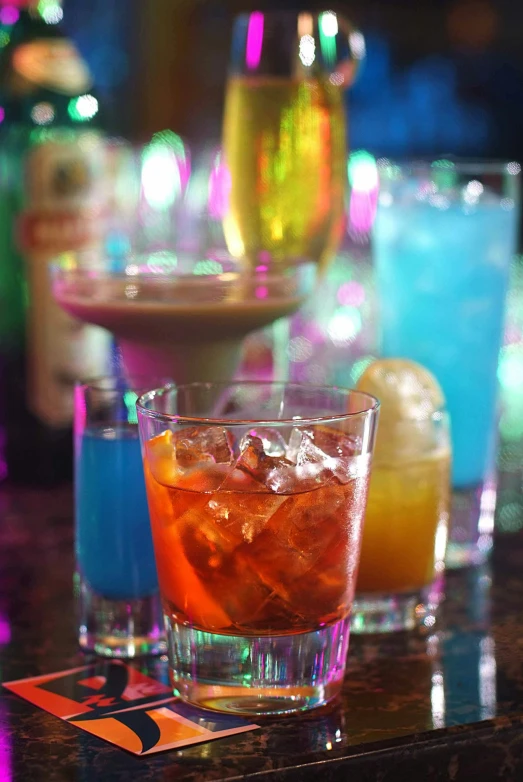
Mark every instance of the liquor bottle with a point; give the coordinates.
(51, 184)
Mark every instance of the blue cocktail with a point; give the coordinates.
(117, 587)
(113, 536)
(444, 238)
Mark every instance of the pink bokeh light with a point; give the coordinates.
(219, 189)
(362, 211)
(5, 631)
(254, 40)
(9, 15)
(351, 294)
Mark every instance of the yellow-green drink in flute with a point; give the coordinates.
(285, 145)
(285, 135)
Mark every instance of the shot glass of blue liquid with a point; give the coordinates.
(116, 585)
(444, 238)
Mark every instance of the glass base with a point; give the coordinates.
(120, 628)
(471, 525)
(258, 675)
(376, 613)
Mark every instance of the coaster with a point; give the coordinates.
(117, 703)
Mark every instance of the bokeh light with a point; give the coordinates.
(328, 28)
(220, 184)
(168, 138)
(510, 512)
(357, 45)
(254, 40)
(42, 113)
(50, 11)
(510, 369)
(307, 50)
(162, 262)
(344, 325)
(9, 15)
(207, 266)
(359, 367)
(161, 182)
(362, 171)
(329, 24)
(82, 108)
(351, 294)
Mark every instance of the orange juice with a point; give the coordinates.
(406, 507)
(404, 534)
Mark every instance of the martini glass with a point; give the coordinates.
(180, 307)
(162, 281)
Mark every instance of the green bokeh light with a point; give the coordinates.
(359, 367)
(129, 399)
(82, 108)
(208, 266)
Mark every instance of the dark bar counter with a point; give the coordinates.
(444, 706)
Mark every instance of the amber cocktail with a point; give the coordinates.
(257, 494)
(403, 548)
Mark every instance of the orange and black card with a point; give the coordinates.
(116, 702)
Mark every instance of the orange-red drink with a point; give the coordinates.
(256, 506)
(236, 558)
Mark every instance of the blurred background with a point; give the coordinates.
(440, 77)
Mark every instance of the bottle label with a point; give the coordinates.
(53, 63)
(64, 190)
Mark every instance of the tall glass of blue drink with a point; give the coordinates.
(444, 237)
(117, 586)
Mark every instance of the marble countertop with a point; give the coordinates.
(446, 706)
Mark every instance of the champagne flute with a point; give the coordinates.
(285, 135)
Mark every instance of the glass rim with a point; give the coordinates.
(459, 165)
(291, 273)
(224, 277)
(96, 383)
(374, 405)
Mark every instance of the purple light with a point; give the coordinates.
(219, 189)
(2, 113)
(351, 294)
(80, 409)
(5, 631)
(262, 268)
(254, 40)
(6, 768)
(184, 167)
(261, 292)
(362, 211)
(9, 15)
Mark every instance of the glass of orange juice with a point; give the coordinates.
(256, 496)
(404, 539)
